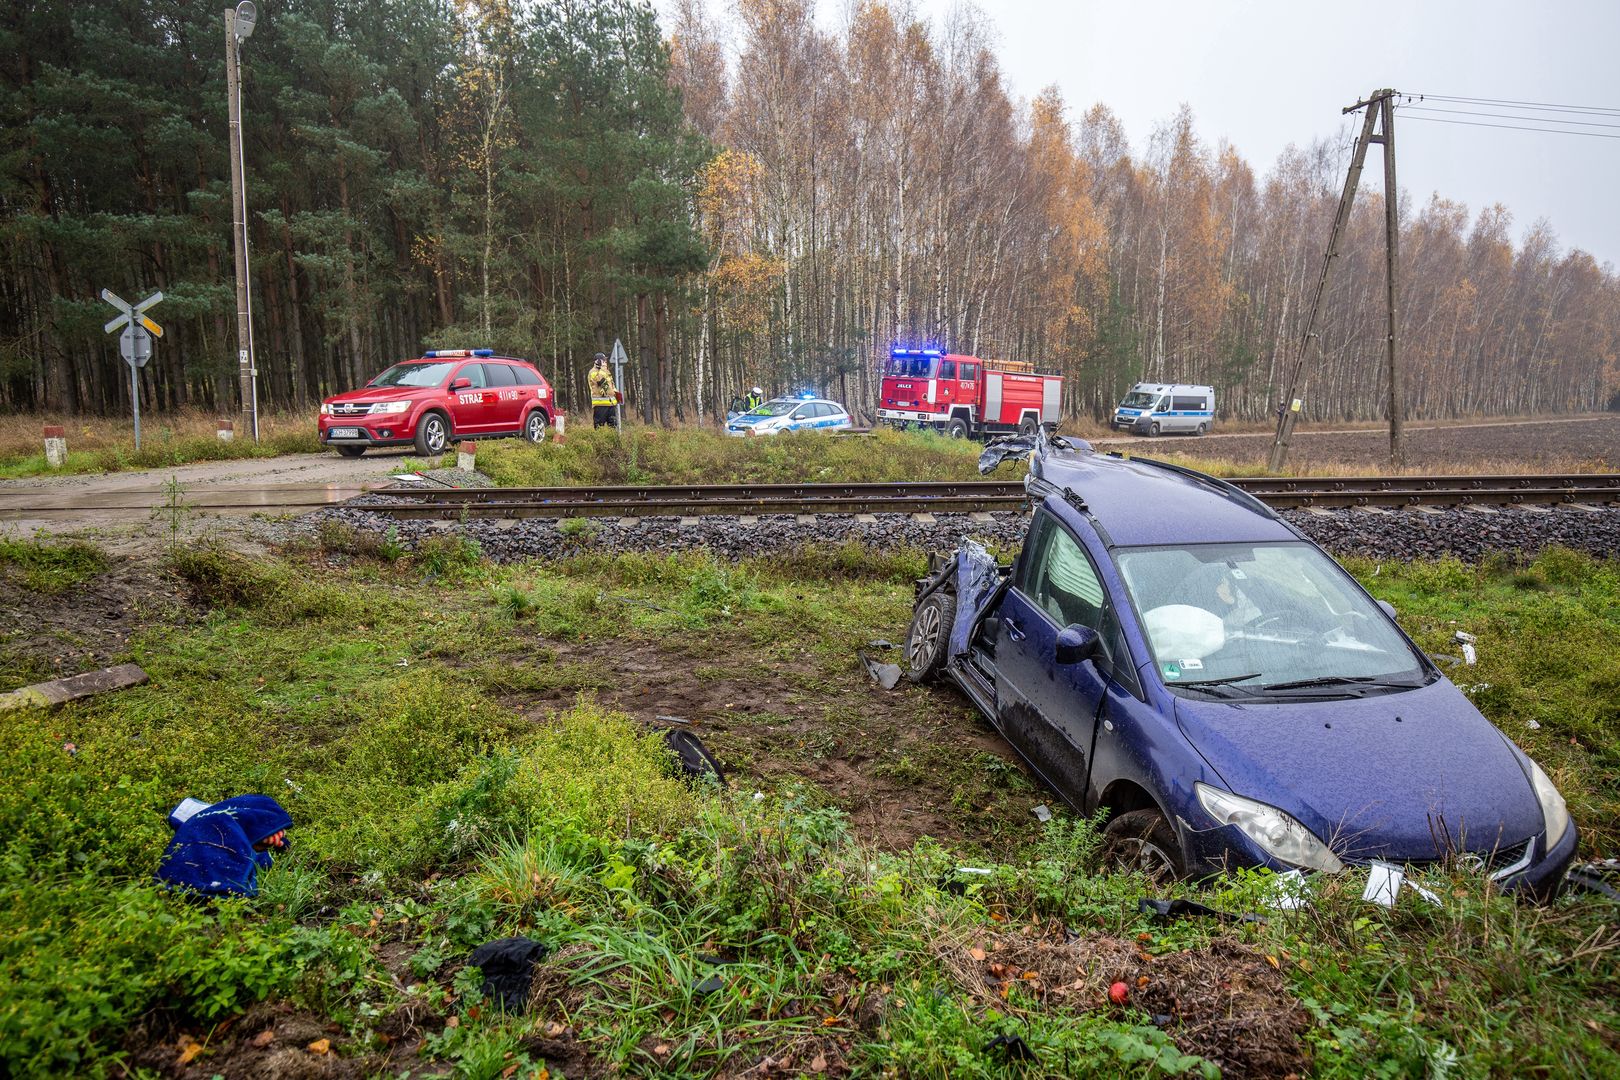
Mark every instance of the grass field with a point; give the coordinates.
(98, 445)
(462, 748)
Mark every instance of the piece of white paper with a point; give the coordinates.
(1383, 883)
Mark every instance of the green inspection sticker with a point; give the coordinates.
(1172, 671)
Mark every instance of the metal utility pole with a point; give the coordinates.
(239, 23)
(1380, 106)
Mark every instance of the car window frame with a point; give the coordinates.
(525, 375)
(1112, 637)
(465, 372)
(490, 369)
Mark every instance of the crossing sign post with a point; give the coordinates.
(135, 343)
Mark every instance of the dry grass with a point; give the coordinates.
(106, 444)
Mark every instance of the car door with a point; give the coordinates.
(1047, 710)
(471, 405)
(507, 397)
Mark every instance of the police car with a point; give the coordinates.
(807, 413)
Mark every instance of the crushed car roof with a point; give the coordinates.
(1139, 502)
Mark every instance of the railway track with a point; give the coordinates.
(408, 502)
(969, 496)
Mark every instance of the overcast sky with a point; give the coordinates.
(1264, 73)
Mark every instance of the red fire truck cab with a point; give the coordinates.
(965, 396)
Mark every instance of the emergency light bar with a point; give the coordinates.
(446, 354)
(900, 350)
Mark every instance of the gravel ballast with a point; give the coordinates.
(1465, 533)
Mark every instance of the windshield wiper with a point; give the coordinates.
(1342, 680)
(1210, 686)
(1220, 682)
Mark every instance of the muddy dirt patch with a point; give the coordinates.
(904, 763)
(1223, 1001)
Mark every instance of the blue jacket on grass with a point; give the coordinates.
(212, 850)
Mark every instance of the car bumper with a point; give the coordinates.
(1213, 851)
(1137, 424)
(396, 430)
(909, 416)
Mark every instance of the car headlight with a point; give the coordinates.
(390, 407)
(1554, 814)
(326, 409)
(1278, 834)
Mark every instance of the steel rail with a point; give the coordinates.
(761, 499)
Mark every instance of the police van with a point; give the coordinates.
(1165, 408)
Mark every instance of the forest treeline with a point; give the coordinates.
(742, 196)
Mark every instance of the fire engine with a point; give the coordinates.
(966, 396)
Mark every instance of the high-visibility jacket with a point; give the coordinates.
(601, 384)
(753, 401)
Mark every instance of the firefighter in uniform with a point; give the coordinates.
(603, 392)
(754, 400)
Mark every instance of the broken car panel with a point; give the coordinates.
(1168, 647)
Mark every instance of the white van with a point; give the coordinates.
(1165, 408)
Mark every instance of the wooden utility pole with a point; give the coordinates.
(1380, 106)
(245, 374)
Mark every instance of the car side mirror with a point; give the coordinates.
(1388, 609)
(1077, 644)
(460, 384)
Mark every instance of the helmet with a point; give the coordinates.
(600, 356)
(757, 390)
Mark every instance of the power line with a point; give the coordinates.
(1514, 127)
(1540, 105)
(1509, 116)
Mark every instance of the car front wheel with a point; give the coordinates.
(1143, 841)
(432, 435)
(930, 635)
(1153, 430)
(958, 429)
(534, 427)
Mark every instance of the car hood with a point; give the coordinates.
(381, 393)
(1403, 776)
(745, 420)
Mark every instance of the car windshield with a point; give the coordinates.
(413, 374)
(911, 367)
(775, 408)
(1276, 620)
(1138, 400)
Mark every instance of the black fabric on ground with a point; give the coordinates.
(508, 967)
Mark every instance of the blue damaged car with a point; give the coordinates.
(1168, 648)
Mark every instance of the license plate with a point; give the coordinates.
(343, 433)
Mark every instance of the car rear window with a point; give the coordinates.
(526, 376)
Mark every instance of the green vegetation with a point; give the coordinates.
(455, 742)
(161, 451)
(645, 455)
(50, 567)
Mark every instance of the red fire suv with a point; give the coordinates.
(445, 395)
(962, 395)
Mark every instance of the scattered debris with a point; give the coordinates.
(60, 691)
(1601, 877)
(885, 675)
(508, 968)
(1466, 640)
(695, 762)
(1290, 891)
(672, 719)
(880, 643)
(1384, 881)
(1012, 1046)
(1165, 910)
(711, 985)
(1042, 812)
(1532, 725)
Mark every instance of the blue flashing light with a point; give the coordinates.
(483, 352)
(901, 350)
(807, 396)
(431, 354)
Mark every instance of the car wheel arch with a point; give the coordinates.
(1123, 795)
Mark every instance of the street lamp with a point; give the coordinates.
(239, 24)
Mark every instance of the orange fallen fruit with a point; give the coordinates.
(1118, 993)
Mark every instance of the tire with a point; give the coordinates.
(957, 428)
(1144, 842)
(1153, 430)
(929, 637)
(432, 435)
(1026, 426)
(534, 427)
(350, 451)
(1202, 428)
